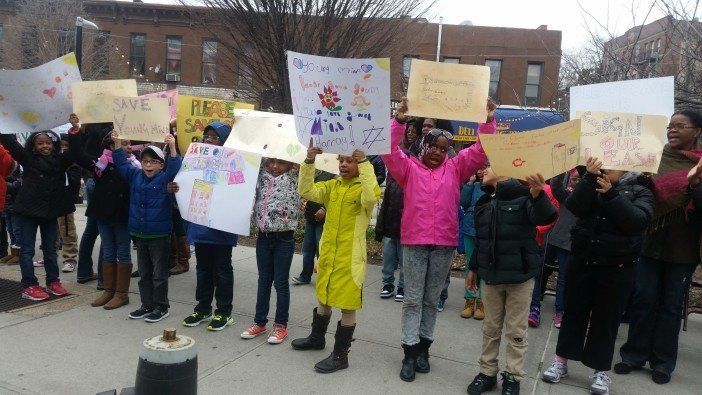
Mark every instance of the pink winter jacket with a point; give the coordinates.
(431, 197)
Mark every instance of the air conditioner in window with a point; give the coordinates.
(173, 77)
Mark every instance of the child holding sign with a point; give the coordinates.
(429, 229)
(42, 198)
(349, 200)
(150, 222)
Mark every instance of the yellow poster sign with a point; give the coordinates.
(92, 100)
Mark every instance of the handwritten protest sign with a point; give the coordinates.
(273, 136)
(39, 98)
(448, 91)
(631, 142)
(140, 119)
(654, 96)
(92, 100)
(195, 113)
(171, 95)
(217, 187)
(343, 104)
(550, 151)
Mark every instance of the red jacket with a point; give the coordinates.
(7, 164)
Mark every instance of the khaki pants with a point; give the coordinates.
(67, 233)
(506, 305)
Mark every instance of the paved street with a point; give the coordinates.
(67, 347)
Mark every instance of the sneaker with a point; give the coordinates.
(220, 322)
(57, 289)
(140, 313)
(68, 267)
(400, 295)
(298, 281)
(156, 315)
(557, 319)
(253, 331)
(440, 305)
(534, 317)
(482, 383)
(555, 372)
(510, 385)
(196, 318)
(660, 376)
(388, 291)
(600, 383)
(278, 334)
(39, 263)
(34, 292)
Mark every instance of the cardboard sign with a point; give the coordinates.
(549, 151)
(140, 119)
(448, 91)
(39, 98)
(217, 187)
(653, 96)
(273, 136)
(92, 100)
(195, 113)
(343, 104)
(631, 142)
(171, 95)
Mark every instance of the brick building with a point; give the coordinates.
(160, 44)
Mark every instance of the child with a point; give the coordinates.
(67, 224)
(150, 221)
(342, 258)
(213, 254)
(180, 248)
(42, 199)
(470, 193)
(13, 183)
(276, 211)
(109, 207)
(429, 228)
(508, 260)
(612, 209)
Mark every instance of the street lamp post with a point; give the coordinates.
(80, 22)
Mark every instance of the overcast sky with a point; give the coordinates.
(563, 15)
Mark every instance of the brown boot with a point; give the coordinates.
(124, 276)
(13, 258)
(109, 280)
(468, 309)
(183, 256)
(479, 312)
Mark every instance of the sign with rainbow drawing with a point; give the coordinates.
(39, 98)
(341, 104)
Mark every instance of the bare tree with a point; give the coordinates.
(257, 34)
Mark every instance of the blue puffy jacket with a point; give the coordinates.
(149, 201)
(203, 234)
(470, 193)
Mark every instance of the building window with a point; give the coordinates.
(244, 67)
(30, 47)
(66, 42)
(407, 64)
(209, 62)
(137, 54)
(495, 69)
(658, 47)
(101, 56)
(637, 51)
(173, 57)
(533, 84)
(450, 59)
(646, 52)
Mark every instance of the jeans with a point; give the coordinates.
(656, 312)
(274, 253)
(425, 268)
(116, 245)
(13, 230)
(310, 248)
(444, 290)
(562, 257)
(215, 277)
(470, 244)
(47, 228)
(152, 259)
(87, 241)
(392, 259)
(3, 233)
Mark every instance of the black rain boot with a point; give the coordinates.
(316, 340)
(339, 358)
(422, 365)
(409, 363)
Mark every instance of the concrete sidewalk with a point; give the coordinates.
(67, 347)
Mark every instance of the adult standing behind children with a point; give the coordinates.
(42, 198)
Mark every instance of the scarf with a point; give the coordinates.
(670, 187)
(106, 159)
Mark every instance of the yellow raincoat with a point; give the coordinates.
(341, 268)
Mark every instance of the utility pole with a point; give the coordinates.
(80, 22)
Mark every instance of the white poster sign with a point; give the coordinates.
(651, 96)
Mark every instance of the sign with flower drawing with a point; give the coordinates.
(341, 104)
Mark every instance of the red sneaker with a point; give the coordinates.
(34, 292)
(57, 289)
(253, 331)
(278, 334)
